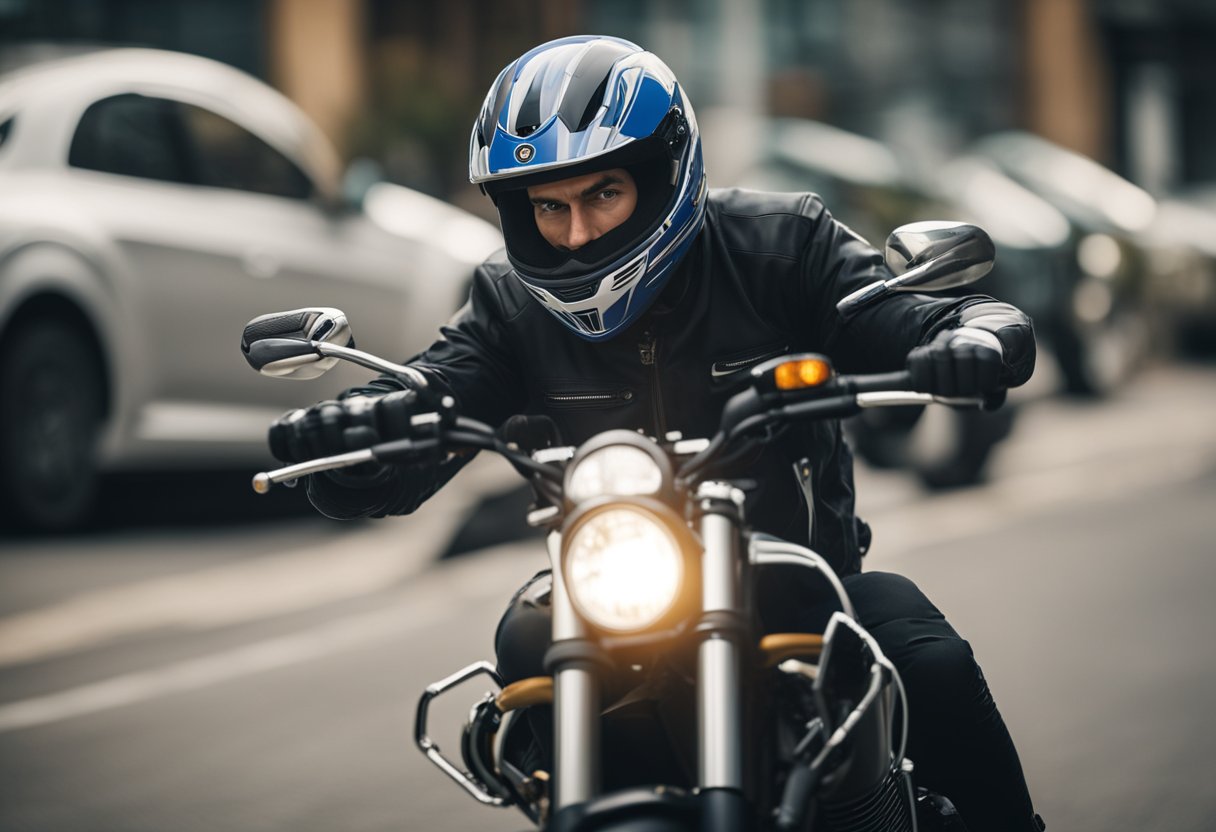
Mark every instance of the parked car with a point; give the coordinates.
(1100, 332)
(151, 203)
(864, 185)
(1182, 256)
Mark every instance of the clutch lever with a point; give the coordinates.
(384, 452)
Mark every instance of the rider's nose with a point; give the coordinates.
(581, 231)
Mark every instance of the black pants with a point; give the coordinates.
(956, 738)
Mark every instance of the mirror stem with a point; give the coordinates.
(372, 362)
(853, 303)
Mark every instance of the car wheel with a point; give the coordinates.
(51, 411)
(880, 436)
(951, 447)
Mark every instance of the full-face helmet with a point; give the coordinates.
(576, 106)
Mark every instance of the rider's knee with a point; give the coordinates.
(941, 674)
(885, 597)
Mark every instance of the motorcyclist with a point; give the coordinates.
(630, 296)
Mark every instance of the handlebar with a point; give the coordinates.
(463, 433)
(846, 396)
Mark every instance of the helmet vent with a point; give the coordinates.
(629, 274)
(590, 320)
(576, 293)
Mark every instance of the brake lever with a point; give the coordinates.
(263, 480)
(899, 398)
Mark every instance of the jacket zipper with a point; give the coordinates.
(588, 398)
(727, 367)
(648, 350)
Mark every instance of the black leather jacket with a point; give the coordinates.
(762, 279)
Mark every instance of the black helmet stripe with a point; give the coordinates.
(499, 101)
(528, 117)
(585, 91)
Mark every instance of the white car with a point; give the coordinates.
(151, 203)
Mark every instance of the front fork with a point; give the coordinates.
(576, 696)
(719, 659)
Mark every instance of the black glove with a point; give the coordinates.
(959, 362)
(348, 424)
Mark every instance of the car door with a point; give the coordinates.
(215, 226)
(285, 250)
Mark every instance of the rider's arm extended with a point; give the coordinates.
(836, 262)
(472, 361)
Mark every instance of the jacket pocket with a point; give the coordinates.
(739, 361)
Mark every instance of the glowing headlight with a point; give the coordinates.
(623, 569)
(615, 470)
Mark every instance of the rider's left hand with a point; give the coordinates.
(958, 362)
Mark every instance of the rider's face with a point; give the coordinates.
(572, 212)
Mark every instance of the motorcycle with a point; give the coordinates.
(667, 708)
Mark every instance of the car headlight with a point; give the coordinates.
(614, 470)
(1099, 255)
(623, 567)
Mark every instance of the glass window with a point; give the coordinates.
(227, 155)
(130, 135)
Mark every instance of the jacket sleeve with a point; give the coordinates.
(473, 362)
(837, 262)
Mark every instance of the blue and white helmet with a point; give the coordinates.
(574, 106)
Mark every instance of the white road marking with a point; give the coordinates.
(192, 674)
(344, 568)
(464, 583)
(370, 558)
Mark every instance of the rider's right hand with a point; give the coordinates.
(340, 425)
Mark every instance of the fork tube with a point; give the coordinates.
(720, 711)
(576, 701)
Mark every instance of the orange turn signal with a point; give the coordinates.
(802, 373)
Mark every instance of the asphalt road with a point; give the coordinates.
(263, 676)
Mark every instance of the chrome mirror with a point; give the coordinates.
(285, 344)
(928, 257)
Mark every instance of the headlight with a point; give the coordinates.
(623, 568)
(615, 470)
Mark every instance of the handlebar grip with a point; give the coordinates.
(835, 408)
(881, 382)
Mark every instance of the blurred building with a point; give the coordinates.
(1129, 82)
